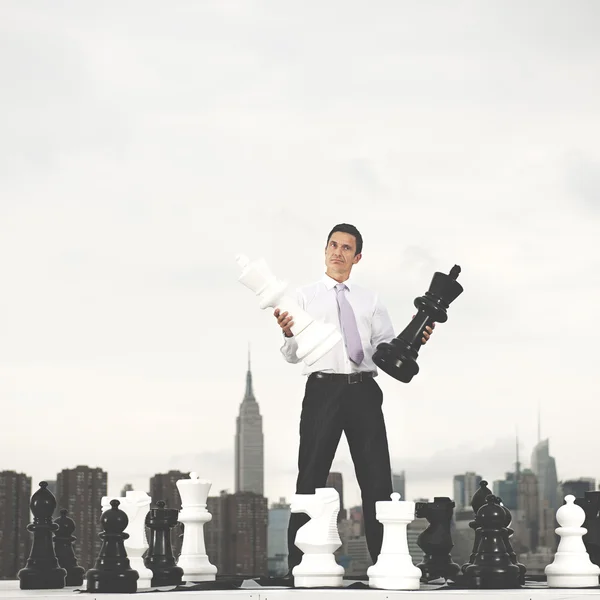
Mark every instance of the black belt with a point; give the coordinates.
(344, 377)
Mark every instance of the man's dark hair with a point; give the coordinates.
(346, 228)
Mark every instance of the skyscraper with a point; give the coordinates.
(335, 481)
(544, 467)
(399, 484)
(249, 443)
(15, 540)
(80, 491)
(277, 543)
(465, 487)
(236, 536)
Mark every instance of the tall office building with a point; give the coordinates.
(249, 443)
(277, 539)
(399, 484)
(335, 481)
(15, 540)
(236, 536)
(464, 487)
(163, 486)
(544, 467)
(507, 490)
(80, 491)
(526, 520)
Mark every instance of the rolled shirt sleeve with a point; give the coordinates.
(382, 329)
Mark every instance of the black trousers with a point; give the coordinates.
(330, 407)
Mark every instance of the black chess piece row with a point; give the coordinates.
(493, 563)
(51, 567)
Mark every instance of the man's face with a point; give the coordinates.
(340, 253)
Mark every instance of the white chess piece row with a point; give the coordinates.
(318, 539)
(193, 559)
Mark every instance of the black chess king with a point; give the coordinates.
(398, 358)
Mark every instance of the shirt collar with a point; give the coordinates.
(331, 283)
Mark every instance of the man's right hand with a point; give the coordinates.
(285, 322)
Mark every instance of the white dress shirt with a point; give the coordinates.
(374, 325)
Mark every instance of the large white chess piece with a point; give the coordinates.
(313, 337)
(135, 505)
(318, 539)
(572, 567)
(394, 569)
(193, 514)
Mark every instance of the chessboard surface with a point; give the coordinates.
(9, 590)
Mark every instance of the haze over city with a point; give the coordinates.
(144, 145)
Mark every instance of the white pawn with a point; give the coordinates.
(135, 505)
(572, 567)
(314, 338)
(318, 539)
(394, 569)
(193, 514)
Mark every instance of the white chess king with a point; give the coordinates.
(135, 504)
(572, 567)
(193, 514)
(318, 539)
(313, 337)
(394, 569)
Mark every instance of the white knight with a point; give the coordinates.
(318, 539)
(314, 338)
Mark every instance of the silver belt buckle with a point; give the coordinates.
(354, 377)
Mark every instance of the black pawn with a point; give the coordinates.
(436, 540)
(42, 571)
(492, 567)
(112, 573)
(477, 501)
(159, 558)
(591, 506)
(509, 548)
(65, 553)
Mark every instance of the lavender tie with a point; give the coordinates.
(349, 327)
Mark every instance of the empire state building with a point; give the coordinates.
(249, 443)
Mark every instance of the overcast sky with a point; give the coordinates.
(144, 144)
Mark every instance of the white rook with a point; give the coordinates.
(193, 514)
(394, 569)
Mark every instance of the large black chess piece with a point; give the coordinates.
(491, 567)
(398, 358)
(477, 501)
(112, 573)
(591, 506)
(42, 571)
(63, 546)
(507, 543)
(159, 558)
(436, 540)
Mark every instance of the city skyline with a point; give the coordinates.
(140, 155)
